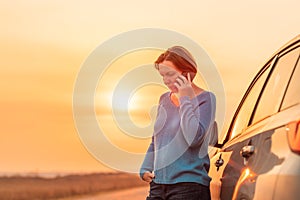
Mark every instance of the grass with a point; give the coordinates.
(35, 188)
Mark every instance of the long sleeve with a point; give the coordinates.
(196, 118)
(148, 160)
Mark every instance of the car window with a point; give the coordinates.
(292, 95)
(242, 118)
(273, 92)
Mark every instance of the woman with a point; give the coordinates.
(176, 164)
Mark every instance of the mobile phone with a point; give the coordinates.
(185, 74)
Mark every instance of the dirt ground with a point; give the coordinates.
(138, 193)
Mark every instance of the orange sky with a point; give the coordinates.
(43, 45)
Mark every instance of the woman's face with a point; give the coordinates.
(169, 73)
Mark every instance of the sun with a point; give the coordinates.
(143, 104)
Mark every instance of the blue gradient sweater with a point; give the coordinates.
(178, 151)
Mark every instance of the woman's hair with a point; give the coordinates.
(181, 58)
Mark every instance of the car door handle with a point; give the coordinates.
(247, 151)
(219, 162)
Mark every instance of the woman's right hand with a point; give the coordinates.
(148, 176)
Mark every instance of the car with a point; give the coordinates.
(259, 157)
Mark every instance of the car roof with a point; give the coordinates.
(288, 44)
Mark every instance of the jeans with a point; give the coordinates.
(178, 191)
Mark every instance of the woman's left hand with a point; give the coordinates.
(184, 86)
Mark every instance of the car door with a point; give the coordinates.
(267, 133)
(227, 163)
(248, 154)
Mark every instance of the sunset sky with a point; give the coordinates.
(45, 43)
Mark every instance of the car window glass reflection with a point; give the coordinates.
(273, 93)
(292, 96)
(244, 114)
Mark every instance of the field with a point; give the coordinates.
(34, 188)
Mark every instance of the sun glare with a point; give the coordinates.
(126, 97)
(142, 105)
